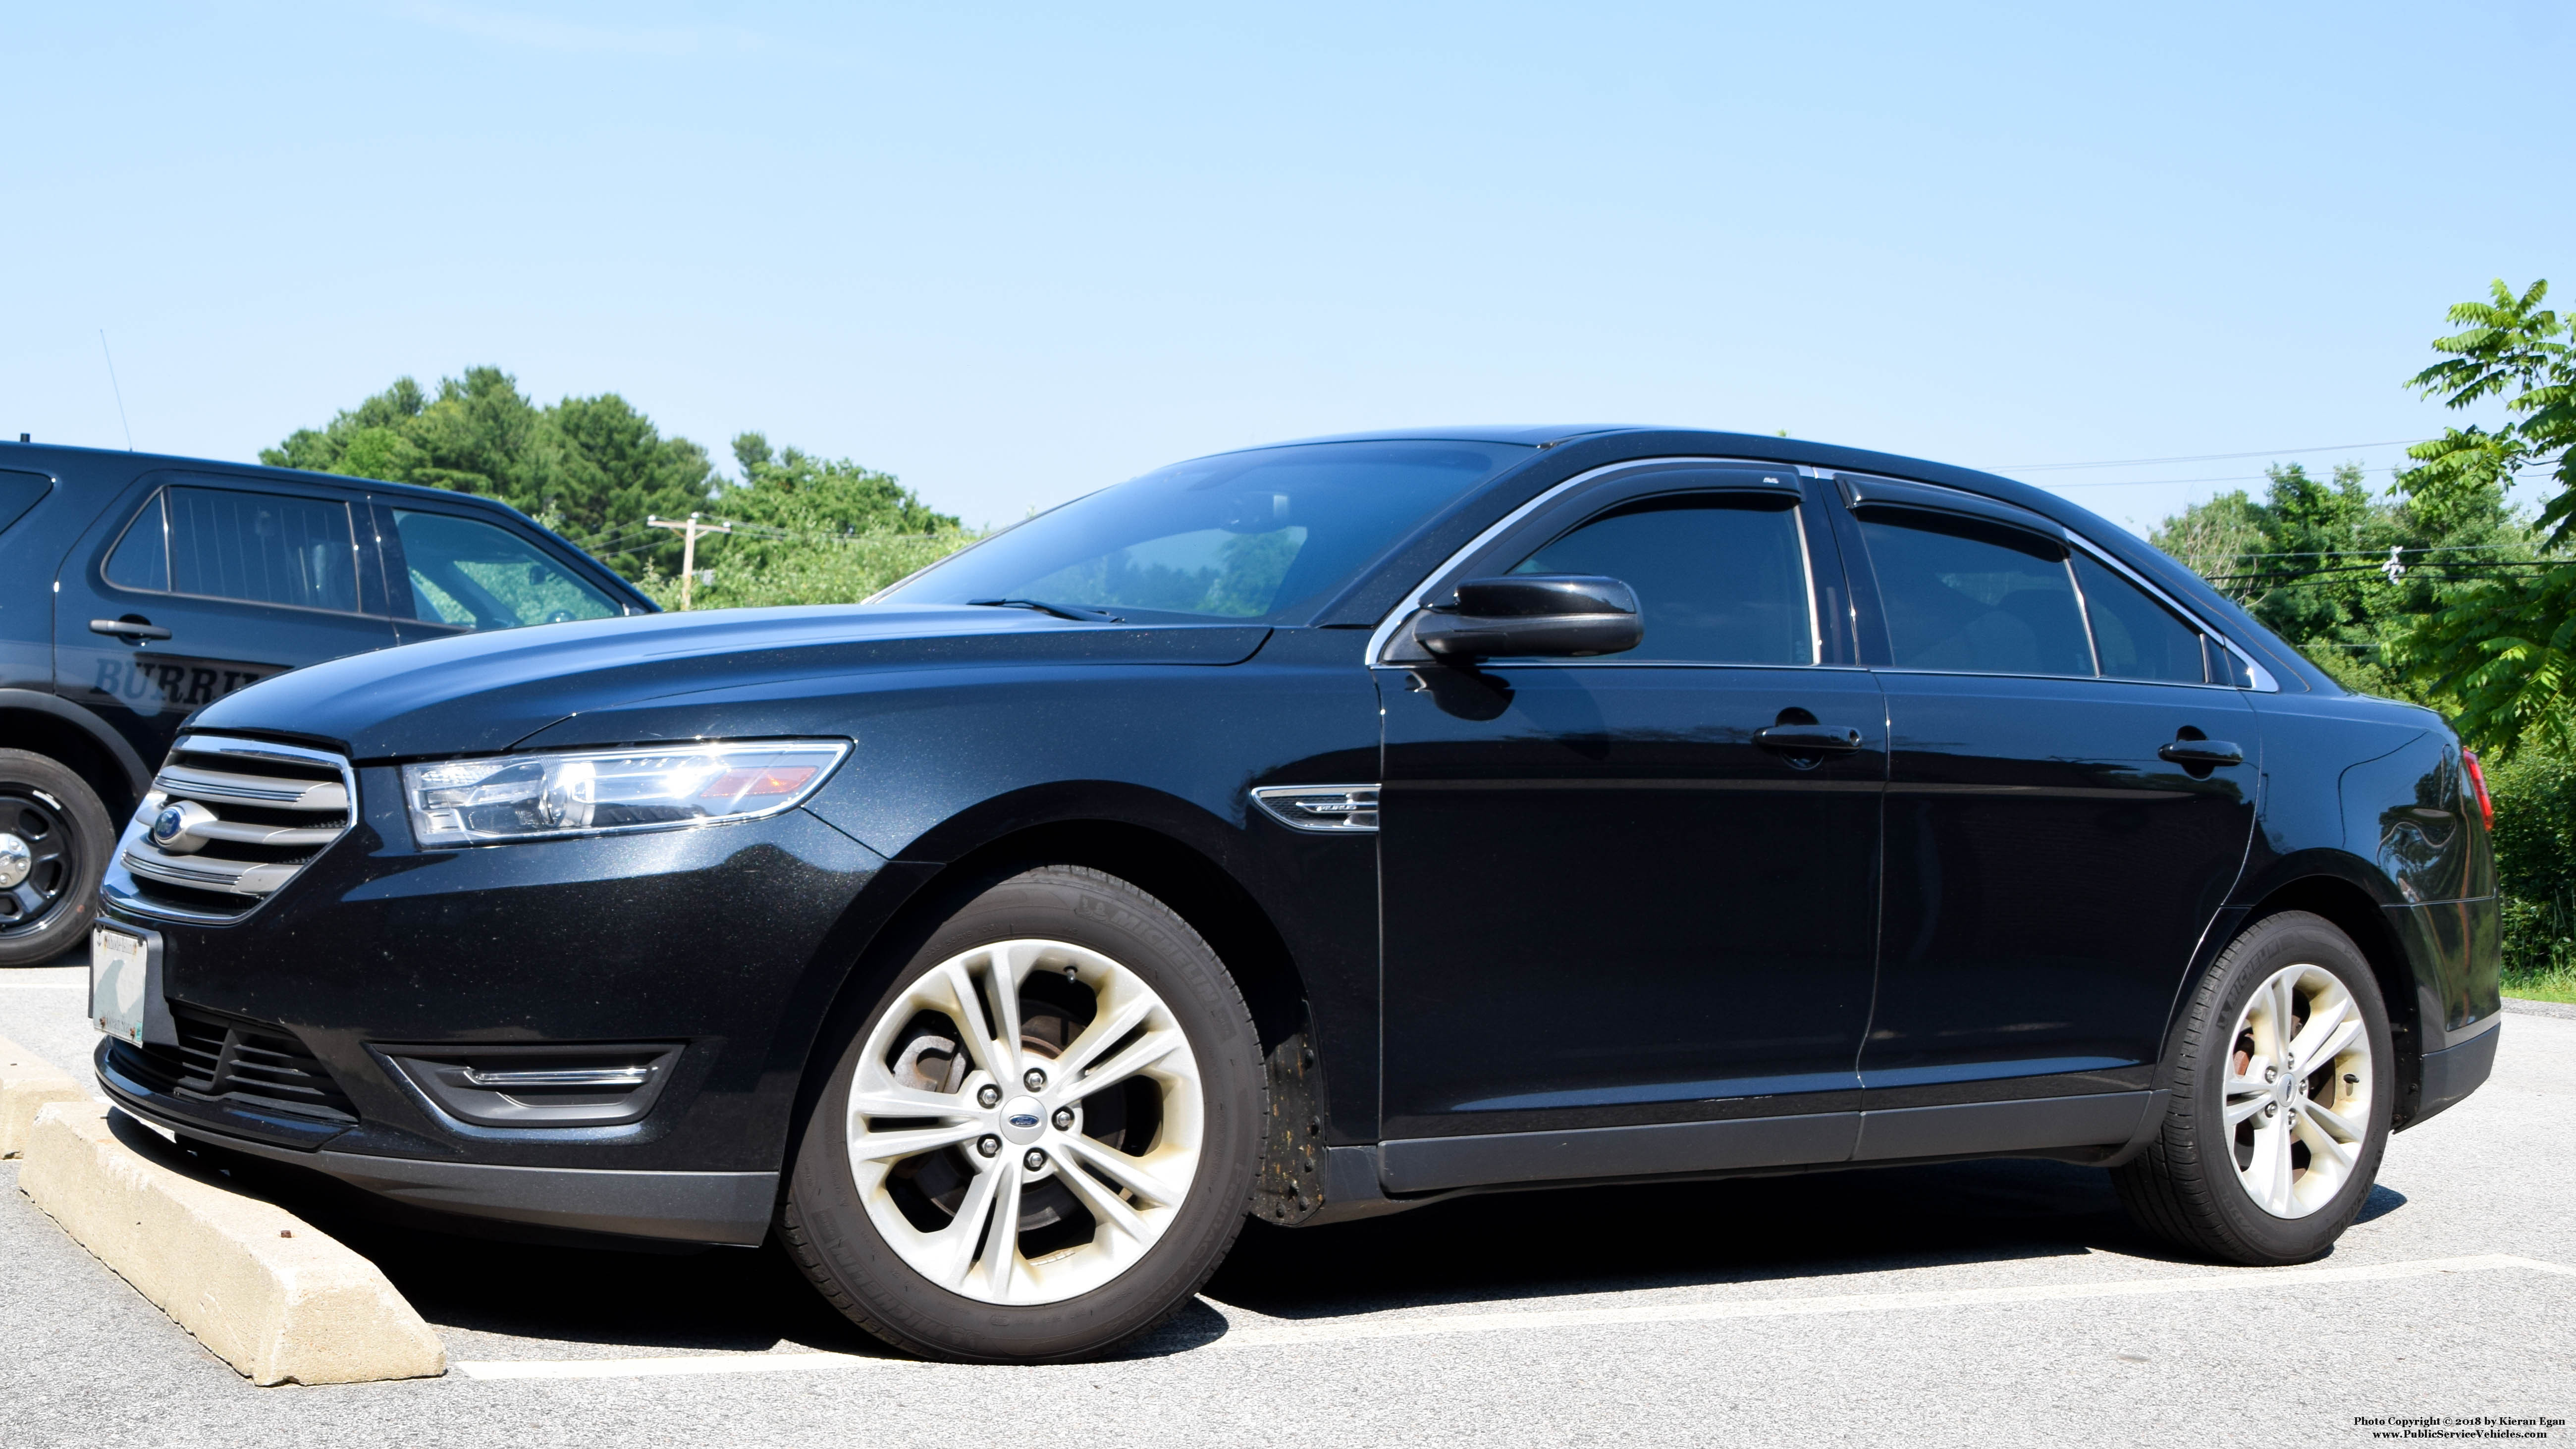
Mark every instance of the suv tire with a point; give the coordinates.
(2262, 1159)
(54, 842)
(1125, 1197)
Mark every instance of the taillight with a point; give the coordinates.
(2478, 782)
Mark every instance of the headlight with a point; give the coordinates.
(532, 797)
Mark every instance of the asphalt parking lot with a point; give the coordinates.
(1979, 1303)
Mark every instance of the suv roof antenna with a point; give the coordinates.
(112, 387)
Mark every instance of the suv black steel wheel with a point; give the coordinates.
(1042, 1138)
(54, 840)
(2282, 1095)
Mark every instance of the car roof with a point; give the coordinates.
(146, 462)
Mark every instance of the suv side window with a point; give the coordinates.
(2137, 637)
(1965, 596)
(260, 548)
(1720, 578)
(467, 574)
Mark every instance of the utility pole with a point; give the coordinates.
(688, 528)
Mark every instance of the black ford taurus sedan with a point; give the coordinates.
(1317, 831)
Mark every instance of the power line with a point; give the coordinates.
(2198, 457)
(2530, 469)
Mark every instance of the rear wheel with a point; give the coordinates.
(2282, 1093)
(1041, 1139)
(54, 841)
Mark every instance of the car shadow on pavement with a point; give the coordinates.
(1665, 1235)
(1500, 1247)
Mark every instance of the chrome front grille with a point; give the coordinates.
(229, 821)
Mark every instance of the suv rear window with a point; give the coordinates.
(260, 548)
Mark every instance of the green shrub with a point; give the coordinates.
(809, 570)
(2535, 844)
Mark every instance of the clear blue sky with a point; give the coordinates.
(1013, 253)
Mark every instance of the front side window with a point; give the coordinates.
(1259, 535)
(1720, 579)
(1965, 596)
(260, 548)
(471, 575)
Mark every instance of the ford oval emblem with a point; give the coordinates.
(1024, 1120)
(169, 825)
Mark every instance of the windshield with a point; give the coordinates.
(1258, 535)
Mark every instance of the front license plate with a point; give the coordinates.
(120, 972)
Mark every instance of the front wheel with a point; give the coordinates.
(1041, 1139)
(2283, 1083)
(54, 842)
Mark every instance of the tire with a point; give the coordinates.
(2284, 1180)
(54, 842)
(877, 1226)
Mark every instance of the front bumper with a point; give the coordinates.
(696, 1207)
(724, 946)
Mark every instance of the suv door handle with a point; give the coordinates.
(1824, 738)
(129, 628)
(2201, 752)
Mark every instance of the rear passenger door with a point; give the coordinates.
(2053, 850)
(197, 585)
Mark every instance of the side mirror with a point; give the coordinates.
(1568, 615)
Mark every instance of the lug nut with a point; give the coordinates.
(1064, 1119)
(2271, 1109)
(1033, 1079)
(988, 1144)
(2270, 1074)
(988, 1095)
(1034, 1161)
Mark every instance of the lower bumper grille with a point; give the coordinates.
(239, 1063)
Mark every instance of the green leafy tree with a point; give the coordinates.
(2310, 562)
(2501, 652)
(593, 468)
(809, 530)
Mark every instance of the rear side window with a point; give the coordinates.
(18, 493)
(1964, 596)
(2138, 638)
(259, 548)
(1720, 579)
(472, 575)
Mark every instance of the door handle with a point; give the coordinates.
(136, 629)
(2201, 752)
(1817, 738)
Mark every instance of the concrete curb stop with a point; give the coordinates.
(25, 1085)
(266, 1292)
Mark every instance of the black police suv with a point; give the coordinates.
(1316, 831)
(135, 589)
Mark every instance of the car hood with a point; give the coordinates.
(482, 692)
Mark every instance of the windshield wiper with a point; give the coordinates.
(1075, 612)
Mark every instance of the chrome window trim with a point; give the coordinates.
(1411, 599)
(2263, 681)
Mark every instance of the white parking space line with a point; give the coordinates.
(1354, 1330)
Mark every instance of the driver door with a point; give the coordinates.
(1622, 935)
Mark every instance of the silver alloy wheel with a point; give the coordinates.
(1008, 1115)
(2298, 1090)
